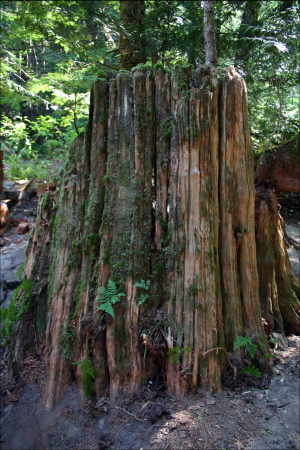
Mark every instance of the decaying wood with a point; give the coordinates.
(45, 187)
(280, 169)
(159, 188)
(279, 288)
(25, 185)
(15, 221)
(23, 227)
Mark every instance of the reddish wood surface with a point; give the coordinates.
(23, 227)
(280, 170)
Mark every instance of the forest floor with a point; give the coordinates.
(249, 417)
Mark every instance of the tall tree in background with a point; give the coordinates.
(247, 33)
(132, 33)
(209, 34)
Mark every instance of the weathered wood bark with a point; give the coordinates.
(132, 36)
(160, 188)
(279, 286)
(237, 237)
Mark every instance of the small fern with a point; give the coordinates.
(174, 355)
(108, 297)
(142, 285)
(246, 342)
(250, 370)
(88, 374)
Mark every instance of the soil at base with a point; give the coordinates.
(244, 418)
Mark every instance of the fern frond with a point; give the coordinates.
(251, 348)
(250, 370)
(240, 341)
(112, 287)
(108, 297)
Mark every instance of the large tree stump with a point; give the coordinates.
(160, 188)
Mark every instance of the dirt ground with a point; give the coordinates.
(244, 418)
(249, 417)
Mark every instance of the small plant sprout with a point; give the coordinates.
(200, 420)
(145, 286)
(108, 297)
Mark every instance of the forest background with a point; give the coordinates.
(52, 51)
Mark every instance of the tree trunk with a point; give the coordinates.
(279, 286)
(247, 32)
(209, 34)
(132, 34)
(160, 188)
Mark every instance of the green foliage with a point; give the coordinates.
(142, 67)
(88, 375)
(273, 341)
(159, 65)
(250, 370)
(20, 270)
(247, 343)
(67, 343)
(108, 297)
(78, 297)
(167, 239)
(101, 74)
(200, 420)
(19, 304)
(174, 355)
(46, 200)
(144, 286)
(52, 52)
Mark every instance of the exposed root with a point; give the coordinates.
(231, 365)
(291, 241)
(118, 407)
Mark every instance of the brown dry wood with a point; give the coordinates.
(26, 185)
(23, 227)
(35, 186)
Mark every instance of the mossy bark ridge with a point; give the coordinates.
(159, 188)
